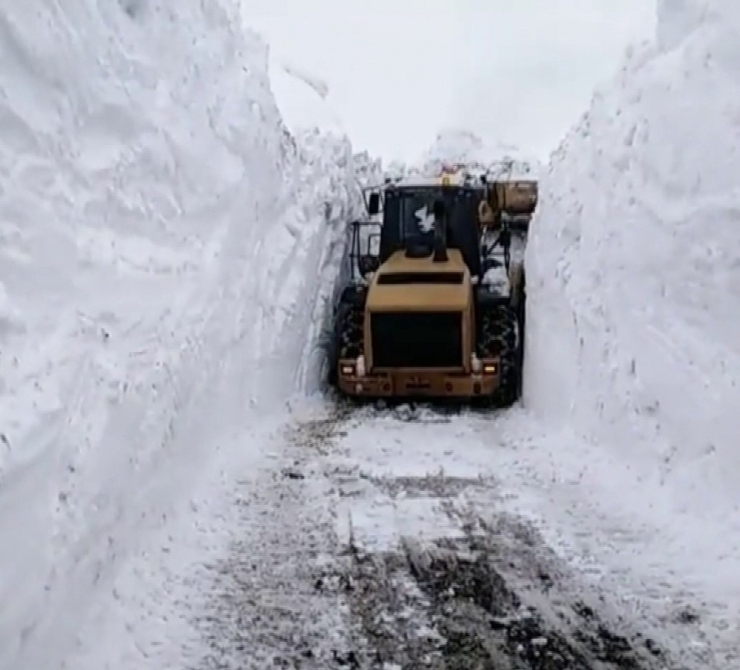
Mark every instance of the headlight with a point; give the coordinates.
(348, 370)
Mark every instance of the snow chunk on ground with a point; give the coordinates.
(633, 272)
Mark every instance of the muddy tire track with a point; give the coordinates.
(276, 597)
(494, 599)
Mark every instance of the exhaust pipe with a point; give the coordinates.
(440, 232)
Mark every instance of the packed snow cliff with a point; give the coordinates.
(633, 273)
(164, 241)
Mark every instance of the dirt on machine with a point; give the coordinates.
(431, 301)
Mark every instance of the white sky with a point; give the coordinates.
(516, 71)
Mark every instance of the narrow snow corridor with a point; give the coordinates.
(178, 491)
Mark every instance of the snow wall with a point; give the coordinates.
(164, 245)
(633, 271)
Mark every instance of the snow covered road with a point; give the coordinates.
(539, 502)
(406, 538)
(266, 607)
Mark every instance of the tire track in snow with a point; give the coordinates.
(440, 579)
(276, 598)
(477, 589)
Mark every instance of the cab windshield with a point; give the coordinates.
(416, 213)
(408, 220)
(413, 211)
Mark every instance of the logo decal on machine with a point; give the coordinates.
(426, 219)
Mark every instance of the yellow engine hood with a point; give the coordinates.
(406, 284)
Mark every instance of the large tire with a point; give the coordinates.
(349, 336)
(498, 335)
(522, 315)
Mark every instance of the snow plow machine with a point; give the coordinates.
(430, 301)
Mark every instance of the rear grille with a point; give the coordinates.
(417, 339)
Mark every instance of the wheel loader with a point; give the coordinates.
(434, 304)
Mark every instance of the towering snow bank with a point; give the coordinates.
(633, 272)
(161, 237)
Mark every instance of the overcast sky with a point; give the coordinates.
(517, 71)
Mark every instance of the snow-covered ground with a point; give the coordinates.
(424, 478)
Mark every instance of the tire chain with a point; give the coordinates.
(351, 332)
(499, 336)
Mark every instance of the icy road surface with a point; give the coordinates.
(405, 538)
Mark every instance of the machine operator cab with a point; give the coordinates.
(429, 220)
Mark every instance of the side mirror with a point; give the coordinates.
(373, 205)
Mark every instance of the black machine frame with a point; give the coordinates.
(363, 233)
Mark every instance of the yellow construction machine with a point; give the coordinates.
(432, 305)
